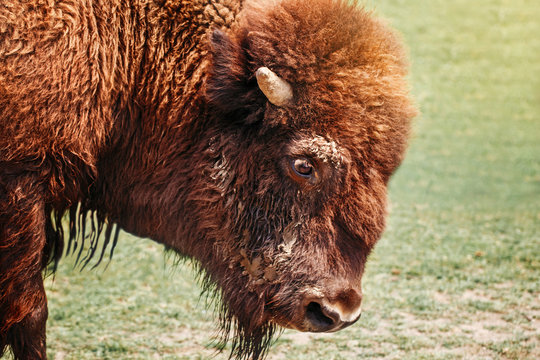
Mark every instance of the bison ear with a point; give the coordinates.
(232, 86)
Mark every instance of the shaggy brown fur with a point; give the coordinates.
(147, 115)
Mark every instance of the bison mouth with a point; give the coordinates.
(315, 313)
(251, 312)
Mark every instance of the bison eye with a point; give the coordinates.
(302, 167)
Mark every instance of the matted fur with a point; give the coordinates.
(146, 116)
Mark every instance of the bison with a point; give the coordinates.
(256, 137)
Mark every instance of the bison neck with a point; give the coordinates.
(147, 175)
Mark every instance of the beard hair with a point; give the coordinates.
(243, 321)
(246, 343)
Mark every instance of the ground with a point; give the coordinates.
(455, 275)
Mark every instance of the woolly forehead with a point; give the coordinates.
(342, 64)
(303, 40)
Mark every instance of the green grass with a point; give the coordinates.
(456, 275)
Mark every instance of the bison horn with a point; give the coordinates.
(277, 90)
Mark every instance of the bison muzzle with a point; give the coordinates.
(256, 137)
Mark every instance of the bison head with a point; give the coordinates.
(279, 188)
(310, 116)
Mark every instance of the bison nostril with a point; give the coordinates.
(317, 316)
(331, 313)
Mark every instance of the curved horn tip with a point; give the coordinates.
(278, 91)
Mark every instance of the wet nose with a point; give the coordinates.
(332, 313)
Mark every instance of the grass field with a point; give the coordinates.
(456, 275)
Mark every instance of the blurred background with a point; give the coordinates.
(456, 275)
